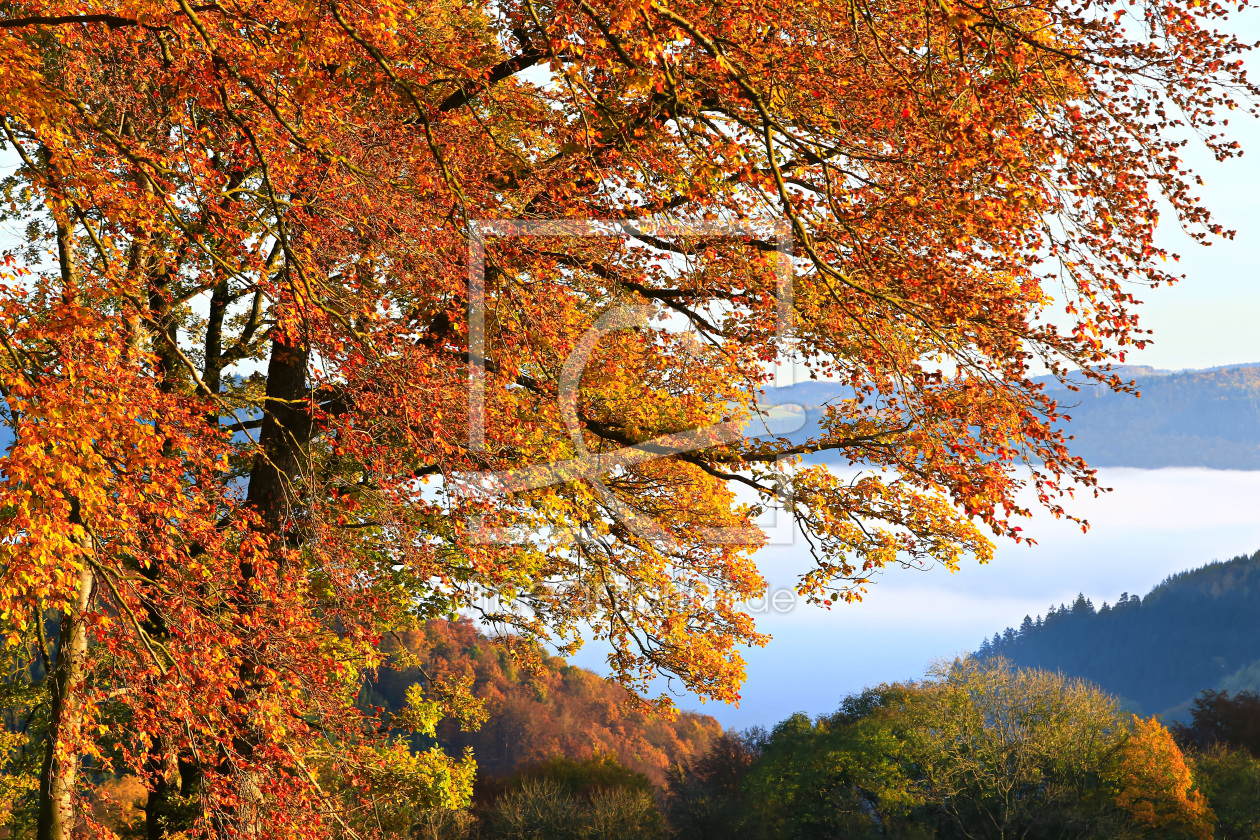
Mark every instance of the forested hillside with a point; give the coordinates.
(1196, 418)
(558, 709)
(1197, 630)
(1200, 418)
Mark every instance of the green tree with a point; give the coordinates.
(845, 775)
(1217, 718)
(706, 797)
(1015, 753)
(1230, 779)
(979, 750)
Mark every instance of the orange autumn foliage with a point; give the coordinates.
(1155, 786)
(276, 384)
(550, 709)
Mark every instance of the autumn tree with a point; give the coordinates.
(1009, 752)
(275, 385)
(1156, 787)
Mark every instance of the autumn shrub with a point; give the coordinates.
(622, 815)
(444, 824)
(537, 810)
(120, 803)
(586, 777)
(1156, 788)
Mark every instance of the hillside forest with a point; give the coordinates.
(1198, 629)
(534, 713)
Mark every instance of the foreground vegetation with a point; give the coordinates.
(978, 750)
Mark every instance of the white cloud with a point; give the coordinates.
(1155, 523)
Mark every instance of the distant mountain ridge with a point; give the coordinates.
(1208, 418)
(1197, 630)
(1191, 418)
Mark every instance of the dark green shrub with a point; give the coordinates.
(542, 809)
(583, 778)
(1230, 779)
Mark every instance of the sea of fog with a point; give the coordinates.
(1154, 523)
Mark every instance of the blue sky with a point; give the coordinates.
(1210, 318)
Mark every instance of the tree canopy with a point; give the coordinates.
(329, 316)
(980, 749)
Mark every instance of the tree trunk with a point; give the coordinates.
(61, 759)
(286, 432)
(285, 435)
(173, 805)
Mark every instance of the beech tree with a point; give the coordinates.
(1005, 752)
(277, 384)
(1156, 787)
